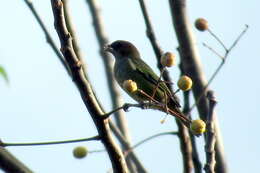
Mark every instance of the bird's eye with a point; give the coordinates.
(117, 45)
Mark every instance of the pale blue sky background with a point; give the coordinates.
(42, 103)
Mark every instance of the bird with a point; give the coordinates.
(129, 66)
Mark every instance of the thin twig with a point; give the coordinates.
(152, 137)
(125, 107)
(143, 141)
(148, 105)
(238, 38)
(96, 151)
(150, 32)
(213, 50)
(218, 39)
(223, 58)
(6, 144)
(210, 136)
(47, 34)
(158, 82)
(85, 89)
(180, 116)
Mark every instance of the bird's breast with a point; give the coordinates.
(123, 70)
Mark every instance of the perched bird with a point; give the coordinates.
(130, 66)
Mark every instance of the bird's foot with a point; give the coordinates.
(146, 104)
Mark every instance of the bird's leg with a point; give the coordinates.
(145, 104)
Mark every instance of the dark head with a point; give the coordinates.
(121, 48)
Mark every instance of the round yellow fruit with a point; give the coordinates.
(80, 152)
(185, 83)
(198, 127)
(130, 85)
(168, 59)
(201, 24)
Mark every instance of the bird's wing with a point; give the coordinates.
(143, 69)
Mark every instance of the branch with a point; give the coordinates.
(153, 103)
(139, 167)
(193, 68)
(152, 137)
(115, 96)
(217, 38)
(193, 148)
(223, 58)
(108, 65)
(47, 34)
(84, 87)
(10, 164)
(71, 30)
(6, 144)
(151, 36)
(210, 136)
(183, 135)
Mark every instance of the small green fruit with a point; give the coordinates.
(168, 59)
(185, 83)
(80, 152)
(198, 127)
(130, 86)
(201, 24)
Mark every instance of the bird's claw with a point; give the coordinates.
(145, 105)
(126, 107)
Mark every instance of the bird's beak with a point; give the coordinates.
(108, 48)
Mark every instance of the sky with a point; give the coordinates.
(41, 103)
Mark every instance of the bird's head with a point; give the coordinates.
(121, 49)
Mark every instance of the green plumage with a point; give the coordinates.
(137, 70)
(129, 65)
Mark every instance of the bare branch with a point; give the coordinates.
(237, 40)
(186, 144)
(115, 154)
(156, 47)
(139, 166)
(218, 39)
(192, 146)
(6, 144)
(115, 95)
(71, 29)
(125, 107)
(210, 136)
(213, 50)
(47, 34)
(152, 137)
(183, 137)
(10, 164)
(193, 68)
(223, 58)
(108, 65)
